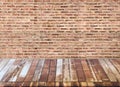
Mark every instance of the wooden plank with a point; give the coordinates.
(31, 71)
(59, 69)
(75, 84)
(50, 84)
(79, 69)
(93, 64)
(92, 71)
(59, 84)
(113, 69)
(118, 60)
(45, 72)
(5, 69)
(33, 84)
(38, 70)
(66, 84)
(0, 60)
(100, 70)
(10, 71)
(3, 63)
(90, 84)
(26, 84)
(66, 73)
(73, 73)
(24, 70)
(52, 71)
(83, 84)
(17, 71)
(107, 84)
(115, 84)
(107, 70)
(88, 74)
(66, 70)
(116, 64)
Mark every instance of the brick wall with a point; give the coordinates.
(59, 28)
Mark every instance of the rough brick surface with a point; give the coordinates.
(59, 28)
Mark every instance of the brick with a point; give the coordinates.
(59, 28)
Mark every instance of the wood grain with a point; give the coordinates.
(60, 72)
(108, 70)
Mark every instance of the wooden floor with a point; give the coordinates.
(60, 72)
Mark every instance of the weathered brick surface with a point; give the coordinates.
(59, 28)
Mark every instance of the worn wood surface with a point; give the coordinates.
(60, 72)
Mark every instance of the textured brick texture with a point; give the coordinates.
(59, 28)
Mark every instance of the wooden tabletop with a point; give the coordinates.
(60, 72)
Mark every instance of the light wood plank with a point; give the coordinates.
(107, 70)
(11, 70)
(5, 69)
(24, 70)
(3, 63)
(17, 71)
(66, 70)
(38, 70)
(113, 69)
(59, 69)
(100, 71)
(116, 64)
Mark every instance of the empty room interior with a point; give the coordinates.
(59, 43)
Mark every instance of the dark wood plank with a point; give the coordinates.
(45, 72)
(100, 70)
(95, 69)
(86, 69)
(52, 73)
(79, 69)
(118, 60)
